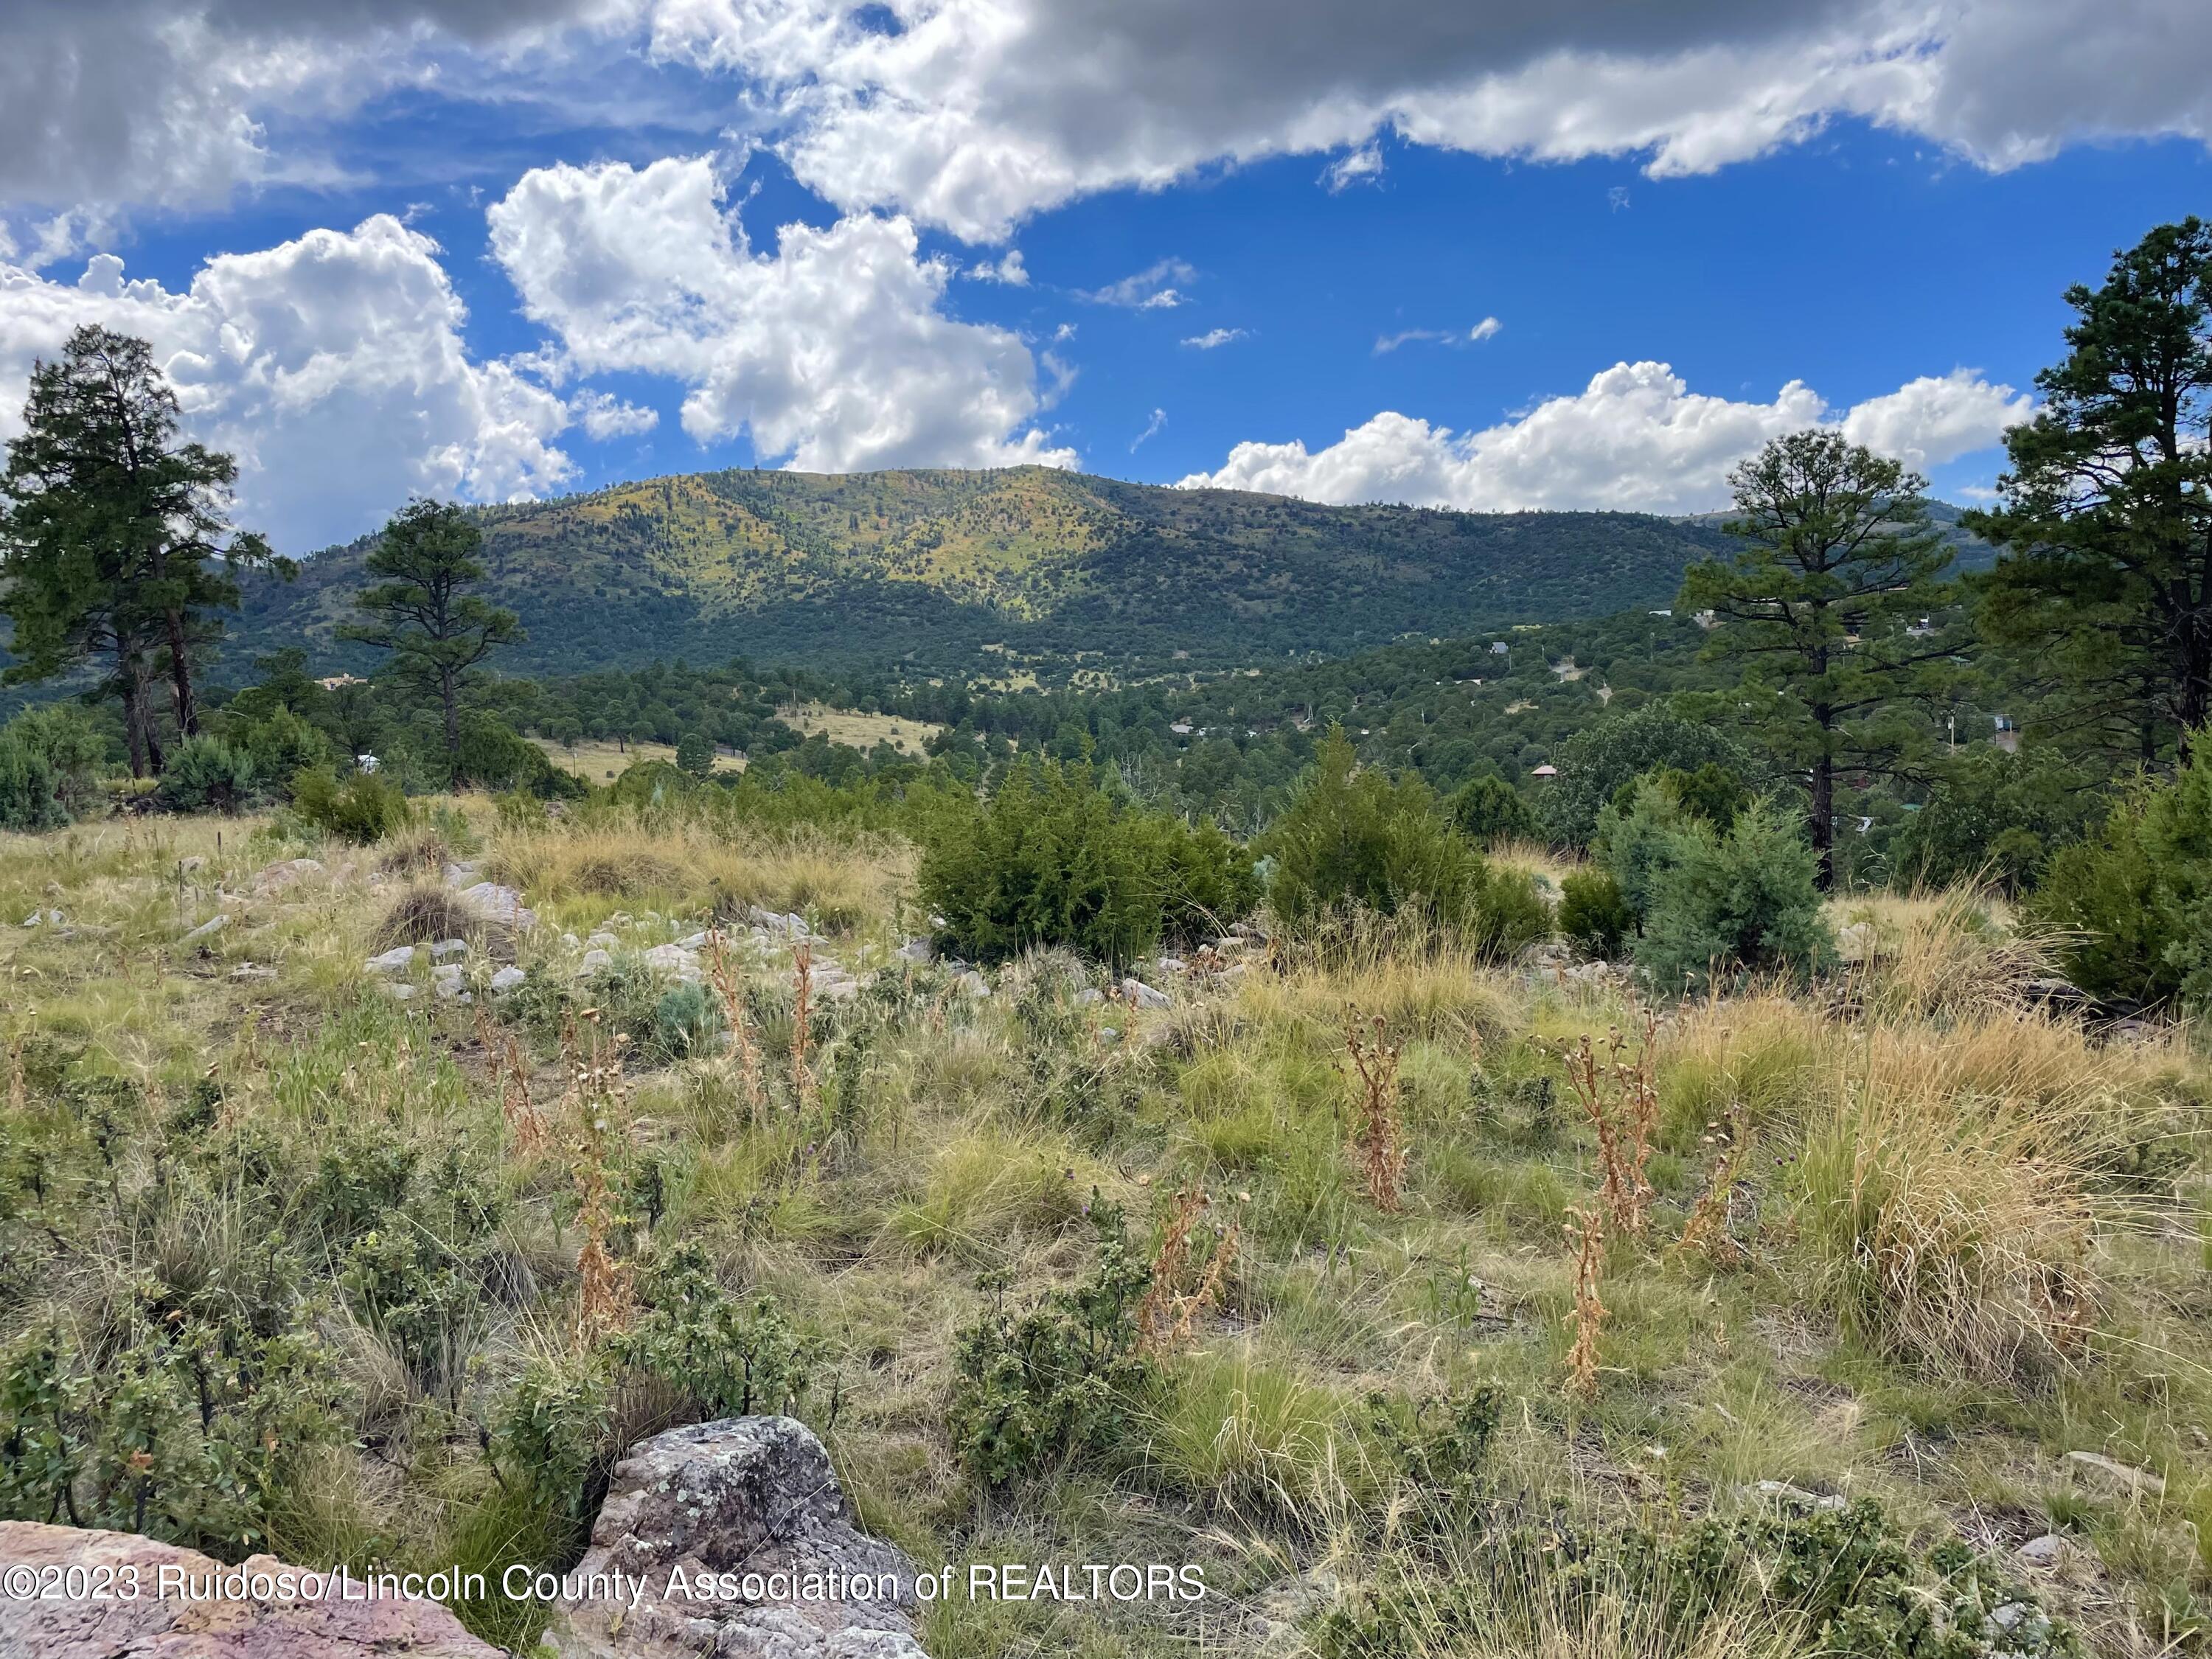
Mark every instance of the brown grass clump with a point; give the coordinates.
(1620, 1098)
(428, 912)
(511, 1073)
(1947, 956)
(1376, 1142)
(420, 847)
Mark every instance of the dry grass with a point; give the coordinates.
(428, 912)
(838, 882)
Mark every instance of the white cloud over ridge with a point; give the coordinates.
(332, 366)
(973, 114)
(832, 352)
(1635, 439)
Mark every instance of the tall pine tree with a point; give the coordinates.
(1819, 610)
(115, 539)
(424, 613)
(2104, 582)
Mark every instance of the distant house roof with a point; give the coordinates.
(1546, 772)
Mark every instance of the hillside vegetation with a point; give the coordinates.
(1050, 569)
(1432, 1304)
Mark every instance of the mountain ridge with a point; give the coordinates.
(1022, 571)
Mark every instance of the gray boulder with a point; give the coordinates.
(507, 978)
(397, 960)
(1142, 995)
(718, 1502)
(207, 929)
(490, 900)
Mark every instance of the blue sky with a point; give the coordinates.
(492, 250)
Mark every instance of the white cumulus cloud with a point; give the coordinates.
(603, 415)
(832, 351)
(1636, 438)
(332, 366)
(973, 114)
(1214, 338)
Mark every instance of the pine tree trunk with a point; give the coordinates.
(1824, 822)
(180, 678)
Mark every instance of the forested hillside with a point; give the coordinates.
(1027, 568)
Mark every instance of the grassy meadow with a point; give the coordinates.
(1458, 1268)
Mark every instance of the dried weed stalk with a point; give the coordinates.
(1377, 1143)
(742, 1046)
(600, 1096)
(1167, 1313)
(802, 1075)
(1586, 1232)
(1620, 1098)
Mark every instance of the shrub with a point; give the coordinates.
(1594, 913)
(1061, 1380)
(1994, 815)
(30, 796)
(280, 745)
(2136, 897)
(366, 807)
(1489, 810)
(1054, 860)
(1356, 839)
(73, 747)
(206, 775)
(1599, 759)
(1744, 902)
(725, 1359)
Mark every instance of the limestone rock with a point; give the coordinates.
(745, 1495)
(498, 904)
(1136, 992)
(207, 929)
(397, 960)
(154, 1626)
(918, 950)
(449, 950)
(1796, 1498)
(275, 877)
(676, 961)
(1858, 943)
(507, 978)
(595, 960)
(2117, 1476)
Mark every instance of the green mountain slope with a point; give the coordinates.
(1001, 570)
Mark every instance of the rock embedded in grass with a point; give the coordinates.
(207, 929)
(746, 1495)
(397, 960)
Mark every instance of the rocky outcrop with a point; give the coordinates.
(745, 1549)
(181, 1610)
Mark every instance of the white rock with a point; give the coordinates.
(445, 950)
(400, 992)
(675, 960)
(692, 942)
(603, 940)
(288, 873)
(570, 941)
(250, 970)
(501, 903)
(397, 960)
(974, 984)
(1174, 965)
(507, 978)
(596, 961)
(2119, 1474)
(1136, 991)
(918, 950)
(1856, 943)
(207, 929)
(458, 874)
(1797, 1497)
(1089, 994)
(2048, 1551)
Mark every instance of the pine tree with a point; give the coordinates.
(116, 540)
(2105, 578)
(1818, 613)
(423, 614)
